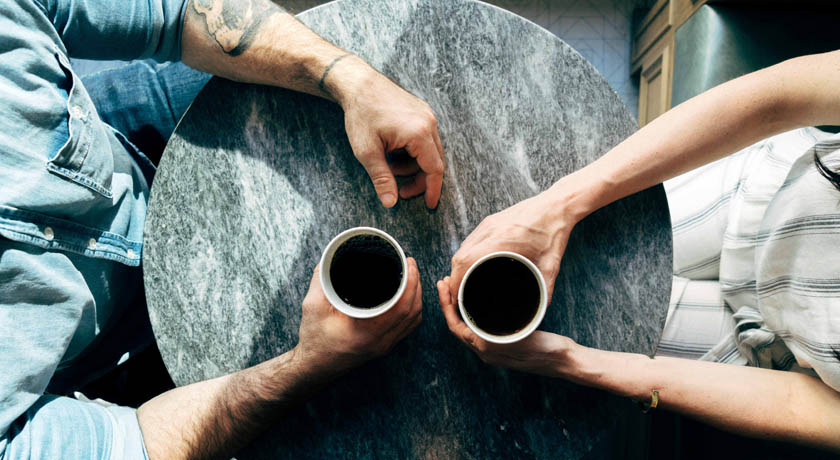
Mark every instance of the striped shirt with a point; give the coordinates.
(757, 258)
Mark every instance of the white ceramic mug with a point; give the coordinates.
(535, 321)
(326, 281)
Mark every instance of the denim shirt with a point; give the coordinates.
(73, 195)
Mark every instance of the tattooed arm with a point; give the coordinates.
(256, 41)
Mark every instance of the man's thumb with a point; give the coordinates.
(380, 174)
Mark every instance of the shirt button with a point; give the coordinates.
(49, 234)
(130, 254)
(91, 244)
(77, 111)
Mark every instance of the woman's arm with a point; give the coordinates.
(804, 91)
(751, 401)
(800, 92)
(755, 402)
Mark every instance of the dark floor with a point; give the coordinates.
(136, 381)
(678, 438)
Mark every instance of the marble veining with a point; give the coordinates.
(257, 180)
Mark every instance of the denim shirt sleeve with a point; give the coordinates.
(58, 427)
(44, 304)
(125, 29)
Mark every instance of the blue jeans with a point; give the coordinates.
(144, 100)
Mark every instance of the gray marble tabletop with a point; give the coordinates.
(256, 180)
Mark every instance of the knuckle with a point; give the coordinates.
(424, 124)
(420, 131)
(381, 181)
(459, 259)
(430, 118)
(405, 312)
(366, 154)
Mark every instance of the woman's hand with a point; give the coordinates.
(536, 228)
(541, 353)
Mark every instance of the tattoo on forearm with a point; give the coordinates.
(234, 23)
(327, 70)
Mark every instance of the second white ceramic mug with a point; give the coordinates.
(535, 321)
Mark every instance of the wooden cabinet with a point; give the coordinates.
(655, 84)
(652, 55)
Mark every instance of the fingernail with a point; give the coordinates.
(389, 199)
(435, 209)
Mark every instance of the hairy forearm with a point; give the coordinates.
(256, 41)
(214, 418)
(751, 401)
(800, 92)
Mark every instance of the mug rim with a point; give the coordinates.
(326, 263)
(535, 321)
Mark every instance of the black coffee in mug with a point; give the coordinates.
(366, 271)
(501, 295)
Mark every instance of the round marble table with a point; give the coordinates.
(256, 180)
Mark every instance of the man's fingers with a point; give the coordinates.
(416, 300)
(404, 166)
(413, 187)
(383, 182)
(431, 162)
(315, 283)
(372, 157)
(416, 314)
(404, 305)
(434, 184)
(316, 275)
(439, 145)
(411, 302)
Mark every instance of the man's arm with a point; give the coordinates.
(256, 41)
(214, 418)
(751, 401)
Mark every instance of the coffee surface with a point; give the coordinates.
(366, 271)
(501, 296)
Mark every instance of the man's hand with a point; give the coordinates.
(541, 352)
(256, 41)
(213, 418)
(381, 118)
(332, 342)
(535, 228)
